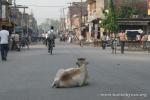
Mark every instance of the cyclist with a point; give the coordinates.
(51, 40)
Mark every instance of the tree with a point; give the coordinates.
(127, 12)
(109, 23)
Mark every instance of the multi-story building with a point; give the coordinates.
(12, 17)
(95, 8)
(5, 13)
(24, 21)
(138, 19)
(77, 13)
(32, 26)
(16, 16)
(0, 13)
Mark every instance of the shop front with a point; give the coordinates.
(135, 30)
(135, 24)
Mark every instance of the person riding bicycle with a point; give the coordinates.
(51, 39)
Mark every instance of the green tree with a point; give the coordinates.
(127, 12)
(109, 22)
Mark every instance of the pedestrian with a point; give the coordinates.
(122, 39)
(144, 40)
(113, 43)
(15, 42)
(103, 38)
(4, 37)
(81, 39)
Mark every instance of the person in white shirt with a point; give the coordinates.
(51, 39)
(4, 37)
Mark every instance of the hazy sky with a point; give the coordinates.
(41, 13)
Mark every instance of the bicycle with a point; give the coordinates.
(50, 46)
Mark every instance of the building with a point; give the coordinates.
(32, 26)
(24, 21)
(5, 13)
(16, 16)
(76, 17)
(95, 8)
(0, 13)
(138, 18)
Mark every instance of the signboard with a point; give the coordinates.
(133, 22)
(148, 5)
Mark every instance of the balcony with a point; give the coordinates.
(4, 16)
(91, 1)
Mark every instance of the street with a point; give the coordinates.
(28, 75)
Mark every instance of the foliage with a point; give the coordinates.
(126, 12)
(109, 23)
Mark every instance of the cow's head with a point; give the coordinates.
(81, 61)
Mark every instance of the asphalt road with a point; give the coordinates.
(27, 75)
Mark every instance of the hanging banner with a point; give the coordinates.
(148, 6)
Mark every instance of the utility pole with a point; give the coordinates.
(20, 6)
(70, 14)
(81, 7)
(24, 8)
(15, 12)
(64, 20)
(27, 25)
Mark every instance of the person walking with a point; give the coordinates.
(103, 38)
(4, 37)
(81, 39)
(144, 40)
(122, 39)
(113, 43)
(15, 42)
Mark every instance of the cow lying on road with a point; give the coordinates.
(72, 77)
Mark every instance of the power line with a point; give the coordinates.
(44, 6)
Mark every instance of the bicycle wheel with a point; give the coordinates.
(51, 49)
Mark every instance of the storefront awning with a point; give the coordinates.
(133, 22)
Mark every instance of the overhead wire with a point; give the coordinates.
(44, 6)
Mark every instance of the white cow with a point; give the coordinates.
(72, 77)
